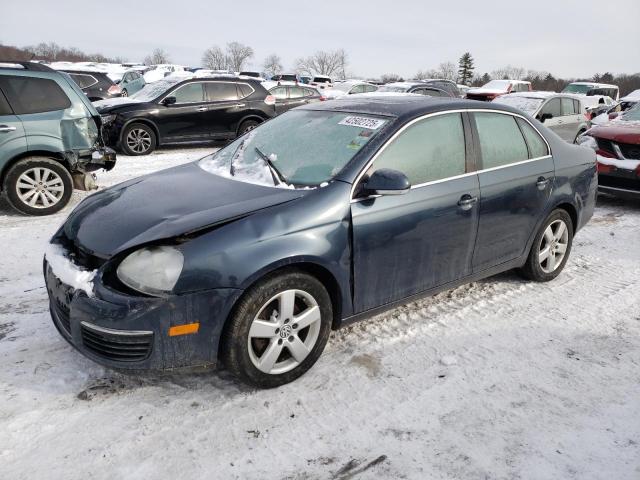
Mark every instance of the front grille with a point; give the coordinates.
(116, 345)
(62, 315)
(630, 150)
(615, 181)
(606, 145)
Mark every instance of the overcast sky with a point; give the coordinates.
(570, 38)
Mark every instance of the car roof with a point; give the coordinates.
(402, 106)
(24, 66)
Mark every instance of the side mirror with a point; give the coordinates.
(386, 181)
(545, 116)
(169, 101)
(613, 115)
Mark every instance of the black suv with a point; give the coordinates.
(175, 110)
(95, 85)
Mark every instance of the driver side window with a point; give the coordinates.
(189, 93)
(429, 150)
(552, 107)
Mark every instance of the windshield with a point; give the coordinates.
(305, 148)
(574, 88)
(344, 87)
(632, 115)
(151, 91)
(526, 104)
(498, 85)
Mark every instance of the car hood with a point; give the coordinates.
(620, 131)
(163, 205)
(486, 91)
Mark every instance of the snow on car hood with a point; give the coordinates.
(164, 205)
(486, 91)
(67, 271)
(102, 105)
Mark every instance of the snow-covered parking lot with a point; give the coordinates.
(500, 379)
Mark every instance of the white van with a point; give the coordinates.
(593, 88)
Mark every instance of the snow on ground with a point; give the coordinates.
(500, 379)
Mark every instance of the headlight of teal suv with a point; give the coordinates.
(152, 270)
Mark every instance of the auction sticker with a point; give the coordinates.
(363, 122)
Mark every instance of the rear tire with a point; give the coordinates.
(138, 139)
(575, 140)
(38, 186)
(550, 249)
(247, 126)
(278, 329)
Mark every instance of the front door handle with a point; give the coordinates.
(202, 109)
(240, 105)
(7, 129)
(542, 183)
(467, 202)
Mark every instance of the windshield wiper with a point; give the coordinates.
(232, 169)
(278, 178)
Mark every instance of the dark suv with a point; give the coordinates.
(95, 85)
(49, 138)
(174, 110)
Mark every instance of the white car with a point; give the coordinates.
(593, 89)
(158, 72)
(349, 88)
(321, 82)
(627, 102)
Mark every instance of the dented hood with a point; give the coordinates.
(163, 205)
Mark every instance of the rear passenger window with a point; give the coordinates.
(219, 92)
(429, 150)
(567, 106)
(189, 93)
(501, 142)
(5, 109)
(537, 146)
(296, 92)
(279, 92)
(34, 95)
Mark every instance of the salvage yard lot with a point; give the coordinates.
(497, 379)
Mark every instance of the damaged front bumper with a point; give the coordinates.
(129, 332)
(90, 160)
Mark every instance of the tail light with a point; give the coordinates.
(323, 98)
(270, 100)
(114, 90)
(602, 168)
(604, 153)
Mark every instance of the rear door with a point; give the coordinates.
(226, 107)
(406, 244)
(12, 138)
(572, 119)
(516, 178)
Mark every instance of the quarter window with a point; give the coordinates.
(244, 90)
(537, 146)
(5, 109)
(219, 91)
(576, 106)
(34, 95)
(501, 142)
(431, 149)
(83, 81)
(189, 93)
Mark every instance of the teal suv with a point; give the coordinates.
(50, 138)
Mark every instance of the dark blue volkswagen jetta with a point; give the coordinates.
(322, 216)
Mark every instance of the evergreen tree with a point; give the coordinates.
(465, 68)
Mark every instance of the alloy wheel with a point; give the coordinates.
(138, 140)
(124, 93)
(284, 331)
(40, 187)
(553, 246)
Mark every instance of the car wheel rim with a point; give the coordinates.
(40, 187)
(553, 246)
(284, 332)
(124, 93)
(138, 140)
(248, 128)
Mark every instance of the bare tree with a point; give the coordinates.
(391, 77)
(424, 74)
(272, 64)
(509, 72)
(215, 59)
(448, 71)
(324, 63)
(158, 56)
(238, 55)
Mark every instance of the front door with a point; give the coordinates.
(516, 179)
(406, 244)
(185, 120)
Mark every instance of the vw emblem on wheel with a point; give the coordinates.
(285, 331)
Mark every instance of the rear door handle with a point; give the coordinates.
(240, 105)
(7, 129)
(467, 202)
(542, 183)
(203, 109)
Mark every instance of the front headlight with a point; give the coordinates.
(152, 270)
(106, 119)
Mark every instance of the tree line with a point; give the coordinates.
(235, 56)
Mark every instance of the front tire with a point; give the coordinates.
(38, 186)
(278, 329)
(551, 247)
(138, 139)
